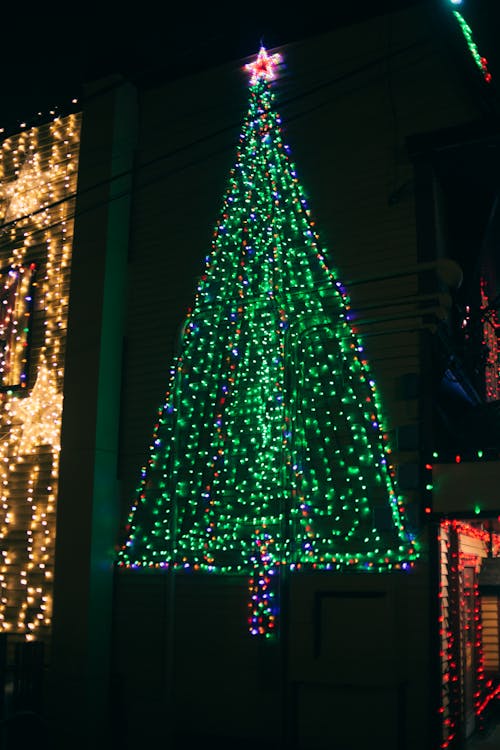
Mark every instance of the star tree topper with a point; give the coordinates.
(263, 66)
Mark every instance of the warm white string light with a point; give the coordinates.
(38, 170)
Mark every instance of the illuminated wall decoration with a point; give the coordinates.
(481, 62)
(491, 334)
(462, 548)
(269, 452)
(38, 176)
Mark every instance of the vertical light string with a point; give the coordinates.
(38, 180)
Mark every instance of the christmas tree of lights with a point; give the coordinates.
(268, 453)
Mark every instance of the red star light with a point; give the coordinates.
(263, 66)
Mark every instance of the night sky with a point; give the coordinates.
(48, 56)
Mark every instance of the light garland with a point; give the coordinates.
(481, 62)
(491, 333)
(269, 450)
(38, 172)
(453, 594)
